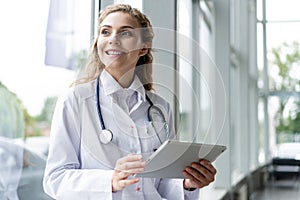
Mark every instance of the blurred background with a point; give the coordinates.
(235, 81)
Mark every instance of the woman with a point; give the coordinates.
(100, 132)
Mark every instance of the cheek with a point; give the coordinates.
(132, 45)
(100, 46)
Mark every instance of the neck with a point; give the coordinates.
(123, 78)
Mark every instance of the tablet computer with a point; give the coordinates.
(171, 158)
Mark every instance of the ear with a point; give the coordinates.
(143, 51)
(145, 48)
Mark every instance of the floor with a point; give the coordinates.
(279, 190)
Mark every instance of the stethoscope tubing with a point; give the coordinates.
(108, 135)
(98, 105)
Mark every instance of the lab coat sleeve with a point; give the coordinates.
(173, 189)
(63, 178)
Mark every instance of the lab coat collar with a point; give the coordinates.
(110, 85)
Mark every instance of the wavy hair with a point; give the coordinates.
(143, 68)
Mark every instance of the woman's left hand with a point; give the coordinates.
(199, 174)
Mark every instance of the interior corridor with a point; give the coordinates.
(279, 190)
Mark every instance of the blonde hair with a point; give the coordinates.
(143, 69)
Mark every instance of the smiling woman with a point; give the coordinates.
(119, 45)
(88, 158)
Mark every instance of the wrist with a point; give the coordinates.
(187, 188)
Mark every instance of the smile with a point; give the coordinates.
(114, 52)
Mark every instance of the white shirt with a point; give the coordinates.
(79, 166)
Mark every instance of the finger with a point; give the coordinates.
(121, 184)
(129, 162)
(195, 174)
(198, 169)
(192, 182)
(123, 174)
(130, 158)
(208, 166)
(133, 167)
(201, 178)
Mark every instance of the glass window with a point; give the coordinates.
(253, 130)
(260, 55)
(134, 3)
(284, 69)
(234, 116)
(278, 10)
(67, 33)
(259, 9)
(261, 131)
(196, 71)
(45, 43)
(185, 70)
(284, 112)
(281, 67)
(205, 28)
(289, 32)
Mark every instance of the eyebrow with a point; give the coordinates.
(122, 27)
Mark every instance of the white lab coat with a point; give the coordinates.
(79, 166)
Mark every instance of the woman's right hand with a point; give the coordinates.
(125, 167)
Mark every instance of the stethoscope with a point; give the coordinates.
(106, 135)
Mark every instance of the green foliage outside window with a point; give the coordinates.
(286, 60)
(16, 122)
(47, 112)
(12, 118)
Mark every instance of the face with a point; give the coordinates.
(119, 43)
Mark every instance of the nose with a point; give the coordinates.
(114, 40)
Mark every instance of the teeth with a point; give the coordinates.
(114, 52)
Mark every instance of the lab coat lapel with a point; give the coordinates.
(107, 154)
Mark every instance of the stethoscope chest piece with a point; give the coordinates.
(105, 136)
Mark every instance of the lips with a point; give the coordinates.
(114, 52)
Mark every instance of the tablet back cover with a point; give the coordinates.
(172, 157)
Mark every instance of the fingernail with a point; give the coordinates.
(206, 162)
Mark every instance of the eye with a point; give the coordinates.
(104, 32)
(126, 34)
